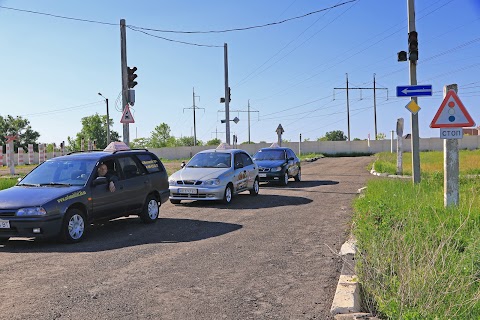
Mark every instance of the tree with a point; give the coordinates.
(160, 136)
(336, 135)
(139, 143)
(214, 142)
(188, 142)
(20, 127)
(381, 136)
(93, 128)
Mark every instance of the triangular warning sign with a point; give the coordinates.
(127, 116)
(452, 113)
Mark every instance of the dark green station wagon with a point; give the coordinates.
(63, 195)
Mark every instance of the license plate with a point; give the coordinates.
(262, 175)
(4, 224)
(188, 190)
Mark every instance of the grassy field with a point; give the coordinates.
(417, 259)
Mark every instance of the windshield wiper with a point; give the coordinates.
(56, 184)
(29, 184)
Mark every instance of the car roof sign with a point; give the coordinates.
(116, 146)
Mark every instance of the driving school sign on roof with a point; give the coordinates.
(452, 113)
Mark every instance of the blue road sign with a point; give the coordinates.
(414, 91)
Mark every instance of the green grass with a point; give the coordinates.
(7, 183)
(417, 259)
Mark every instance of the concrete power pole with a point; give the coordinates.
(194, 121)
(415, 141)
(227, 96)
(123, 55)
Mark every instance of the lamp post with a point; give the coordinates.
(108, 119)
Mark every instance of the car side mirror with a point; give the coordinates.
(291, 158)
(99, 181)
(238, 165)
(182, 165)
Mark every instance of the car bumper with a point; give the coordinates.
(197, 193)
(37, 227)
(271, 176)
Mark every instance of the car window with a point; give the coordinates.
(210, 160)
(72, 172)
(151, 163)
(270, 155)
(238, 160)
(246, 159)
(129, 167)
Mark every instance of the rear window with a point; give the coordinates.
(150, 163)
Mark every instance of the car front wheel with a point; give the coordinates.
(298, 177)
(73, 226)
(256, 188)
(284, 181)
(151, 210)
(228, 194)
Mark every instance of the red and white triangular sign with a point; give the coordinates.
(127, 116)
(452, 113)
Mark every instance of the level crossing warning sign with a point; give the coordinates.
(127, 116)
(452, 113)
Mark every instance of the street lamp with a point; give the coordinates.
(108, 119)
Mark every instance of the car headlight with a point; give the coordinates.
(34, 211)
(276, 169)
(172, 182)
(212, 182)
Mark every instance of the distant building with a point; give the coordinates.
(471, 131)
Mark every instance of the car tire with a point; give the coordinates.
(228, 194)
(298, 177)
(284, 182)
(4, 240)
(151, 210)
(172, 201)
(256, 188)
(73, 226)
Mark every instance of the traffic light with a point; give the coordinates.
(413, 46)
(131, 77)
(229, 95)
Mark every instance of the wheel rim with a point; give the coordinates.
(228, 194)
(152, 209)
(256, 186)
(76, 226)
(286, 178)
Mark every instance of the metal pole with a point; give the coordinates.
(108, 123)
(375, 107)
(194, 122)
(300, 146)
(123, 56)
(248, 121)
(451, 165)
(348, 111)
(414, 118)
(227, 96)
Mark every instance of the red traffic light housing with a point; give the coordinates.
(413, 46)
(131, 77)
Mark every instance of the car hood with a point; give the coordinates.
(198, 173)
(22, 196)
(269, 163)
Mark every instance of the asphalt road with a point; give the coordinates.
(273, 256)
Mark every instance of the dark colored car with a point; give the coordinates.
(63, 195)
(278, 164)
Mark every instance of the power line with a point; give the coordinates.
(171, 40)
(63, 109)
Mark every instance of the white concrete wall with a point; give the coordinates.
(325, 147)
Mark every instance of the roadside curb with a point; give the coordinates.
(346, 304)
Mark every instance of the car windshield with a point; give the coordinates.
(269, 155)
(60, 173)
(210, 160)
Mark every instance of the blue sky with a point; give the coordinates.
(52, 69)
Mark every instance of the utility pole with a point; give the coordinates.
(374, 103)
(249, 111)
(227, 96)
(194, 121)
(123, 56)
(415, 141)
(217, 132)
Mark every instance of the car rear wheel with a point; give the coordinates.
(298, 177)
(73, 226)
(151, 210)
(228, 194)
(256, 188)
(172, 201)
(284, 182)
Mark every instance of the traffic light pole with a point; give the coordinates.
(414, 118)
(123, 55)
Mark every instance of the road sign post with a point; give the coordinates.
(400, 123)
